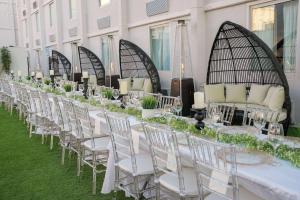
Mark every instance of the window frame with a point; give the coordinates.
(51, 14)
(164, 25)
(100, 3)
(72, 11)
(265, 3)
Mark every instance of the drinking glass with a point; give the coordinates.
(177, 106)
(116, 94)
(259, 120)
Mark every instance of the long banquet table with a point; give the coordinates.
(279, 181)
(274, 181)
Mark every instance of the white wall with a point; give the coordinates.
(19, 60)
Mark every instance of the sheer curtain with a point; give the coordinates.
(160, 48)
(290, 10)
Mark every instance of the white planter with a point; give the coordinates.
(68, 94)
(148, 113)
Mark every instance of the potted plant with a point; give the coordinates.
(6, 59)
(68, 89)
(107, 93)
(47, 82)
(149, 104)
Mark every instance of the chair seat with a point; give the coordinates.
(143, 162)
(100, 144)
(243, 195)
(171, 182)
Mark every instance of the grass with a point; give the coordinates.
(294, 131)
(31, 171)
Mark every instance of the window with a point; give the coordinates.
(103, 2)
(73, 8)
(51, 14)
(104, 52)
(160, 47)
(276, 25)
(37, 22)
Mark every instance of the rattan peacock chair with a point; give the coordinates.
(135, 63)
(91, 63)
(60, 64)
(238, 56)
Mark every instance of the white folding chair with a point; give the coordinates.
(94, 150)
(133, 172)
(173, 180)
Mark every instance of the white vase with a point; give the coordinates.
(148, 113)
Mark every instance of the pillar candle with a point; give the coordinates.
(19, 73)
(199, 99)
(51, 72)
(32, 73)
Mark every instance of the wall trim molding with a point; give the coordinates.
(225, 4)
(103, 32)
(157, 19)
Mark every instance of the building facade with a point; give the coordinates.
(8, 25)
(151, 24)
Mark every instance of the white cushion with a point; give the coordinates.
(138, 84)
(143, 162)
(273, 116)
(214, 93)
(269, 95)
(125, 85)
(258, 93)
(170, 181)
(147, 86)
(236, 93)
(277, 99)
(100, 144)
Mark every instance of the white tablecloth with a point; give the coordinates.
(270, 182)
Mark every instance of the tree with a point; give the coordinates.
(6, 59)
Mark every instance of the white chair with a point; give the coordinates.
(217, 171)
(35, 114)
(133, 172)
(49, 127)
(173, 180)
(94, 150)
(65, 129)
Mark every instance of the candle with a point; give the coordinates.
(12, 71)
(199, 99)
(51, 72)
(65, 77)
(39, 75)
(76, 69)
(32, 73)
(19, 73)
(85, 74)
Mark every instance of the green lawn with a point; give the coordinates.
(31, 171)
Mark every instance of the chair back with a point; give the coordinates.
(57, 109)
(70, 117)
(35, 101)
(121, 138)
(46, 107)
(166, 100)
(216, 167)
(225, 112)
(165, 152)
(83, 119)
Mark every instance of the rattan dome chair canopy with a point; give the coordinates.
(92, 64)
(135, 63)
(238, 56)
(60, 64)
